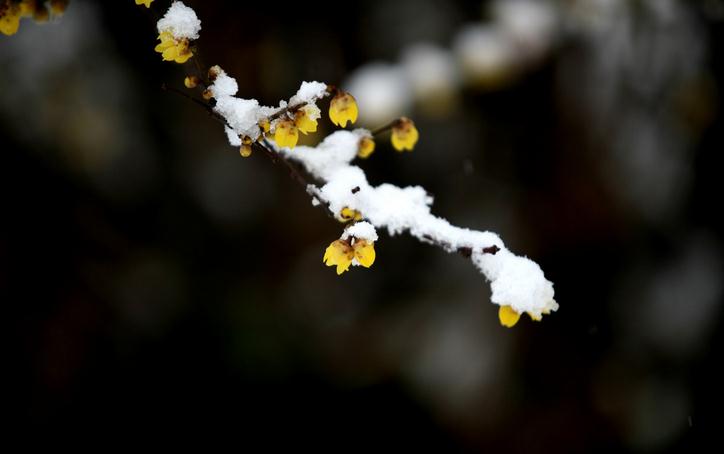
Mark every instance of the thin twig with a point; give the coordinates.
(386, 127)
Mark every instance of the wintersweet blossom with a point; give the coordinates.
(343, 108)
(191, 81)
(173, 49)
(364, 252)
(305, 119)
(286, 134)
(366, 147)
(347, 214)
(404, 134)
(340, 254)
(343, 253)
(9, 18)
(146, 3)
(508, 317)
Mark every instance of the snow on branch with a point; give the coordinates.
(518, 284)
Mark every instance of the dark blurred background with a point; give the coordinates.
(157, 283)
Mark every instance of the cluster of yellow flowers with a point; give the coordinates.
(342, 109)
(341, 253)
(12, 11)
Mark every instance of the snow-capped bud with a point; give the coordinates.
(214, 72)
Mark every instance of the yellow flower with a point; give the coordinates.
(508, 317)
(9, 18)
(305, 119)
(366, 147)
(286, 134)
(264, 125)
(339, 253)
(364, 252)
(245, 150)
(404, 134)
(342, 109)
(172, 49)
(347, 214)
(146, 3)
(191, 81)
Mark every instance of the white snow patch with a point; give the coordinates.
(223, 85)
(234, 139)
(309, 92)
(241, 114)
(180, 21)
(515, 281)
(362, 231)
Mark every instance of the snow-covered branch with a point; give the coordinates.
(518, 284)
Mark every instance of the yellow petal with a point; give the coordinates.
(508, 317)
(535, 318)
(347, 214)
(166, 37)
(339, 253)
(304, 123)
(404, 135)
(163, 46)
(184, 56)
(366, 147)
(191, 81)
(146, 3)
(170, 53)
(264, 125)
(342, 109)
(286, 134)
(10, 22)
(364, 252)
